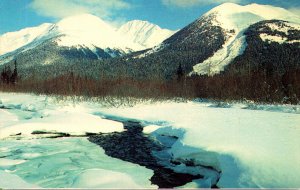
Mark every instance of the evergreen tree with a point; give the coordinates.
(3, 76)
(6, 75)
(179, 73)
(14, 76)
(9, 77)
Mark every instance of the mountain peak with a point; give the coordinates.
(145, 33)
(86, 30)
(83, 16)
(233, 16)
(140, 23)
(82, 22)
(225, 6)
(90, 31)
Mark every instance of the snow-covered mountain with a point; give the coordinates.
(234, 20)
(214, 40)
(90, 31)
(76, 31)
(13, 40)
(144, 33)
(233, 16)
(207, 46)
(87, 32)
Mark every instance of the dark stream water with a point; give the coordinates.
(134, 146)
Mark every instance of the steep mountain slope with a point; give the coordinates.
(14, 40)
(144, 33)
(210, 43)
(192, 44)
(273, 48)
(234, 20)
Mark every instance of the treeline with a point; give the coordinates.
(256, 85)
(71, 84)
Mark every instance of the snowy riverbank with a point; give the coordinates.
(252, 145)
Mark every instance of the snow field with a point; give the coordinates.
(252, 145)
(12, 181)
(48, 118)
(252, 148)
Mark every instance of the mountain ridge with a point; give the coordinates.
(145, 33)
(11, 41)
(223, 29)
(204, 47)
(93, 33)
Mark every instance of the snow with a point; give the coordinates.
(231, 16)
(11, 181)
(48, 119)
(68, 163)
(217, 63)
(104, 178)
(288, 26)
(90, 31)
(285, 28)
(252, 145)
(58, 122)
(151, 51)
(273, 38)
(150, 129)
(252, 148)
(4, 163)
(276, 27)
(85, 30)
(13, 40)
(144, 33)
(234, 16)
(6, 117)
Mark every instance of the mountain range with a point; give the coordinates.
(140, 49)
(86, 32)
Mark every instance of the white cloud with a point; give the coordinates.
(192, 3)
(64, 8)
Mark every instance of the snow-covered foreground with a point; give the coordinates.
(253, 145)
(65, 163)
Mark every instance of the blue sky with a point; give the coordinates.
(171, 14)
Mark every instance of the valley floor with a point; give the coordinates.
(227, 144)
